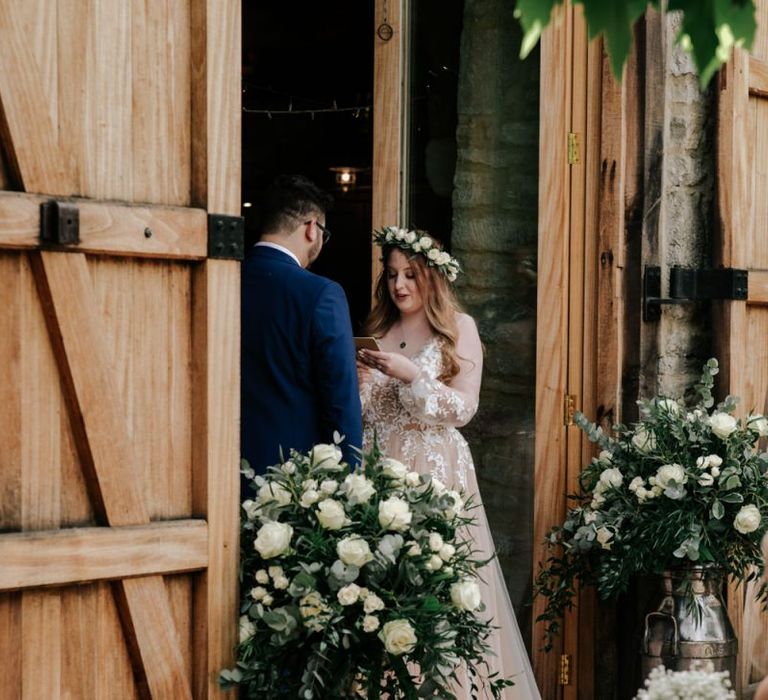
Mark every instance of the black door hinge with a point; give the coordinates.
(225, 237)
(59, 223)
(691, 284)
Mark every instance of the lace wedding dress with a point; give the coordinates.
(417, 424)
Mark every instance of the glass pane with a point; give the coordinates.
(472, 180)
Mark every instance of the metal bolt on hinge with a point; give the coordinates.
(569, 409)
(573, 148)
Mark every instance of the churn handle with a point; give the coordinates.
(663, 616)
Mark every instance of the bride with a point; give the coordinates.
(417, 390)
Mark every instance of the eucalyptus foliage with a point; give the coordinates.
(685, 485)
(358, 584)
(710, 28)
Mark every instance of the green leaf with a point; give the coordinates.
(718, 510)
(533, 15)
(733, 497)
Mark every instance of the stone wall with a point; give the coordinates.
(495, 237)
(679, 207)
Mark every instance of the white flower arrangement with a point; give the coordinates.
(423, 244)
(357, 582)
(680, 487)
(699, 683)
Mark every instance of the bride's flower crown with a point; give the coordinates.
(422, 243)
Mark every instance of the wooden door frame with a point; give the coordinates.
(572, 232)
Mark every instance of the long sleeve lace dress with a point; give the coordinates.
(417, 424)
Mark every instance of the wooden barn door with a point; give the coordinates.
(741, 329)
(119, 341)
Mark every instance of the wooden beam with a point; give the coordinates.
(102, 443)
(758, 287)
(111, 228)
(758, 77)
(215, 458)
(552, 314)
(82, 555)
(27, 132)
(389, 117)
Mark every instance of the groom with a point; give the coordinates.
(299, 379)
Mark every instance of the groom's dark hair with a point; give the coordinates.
(289, 198)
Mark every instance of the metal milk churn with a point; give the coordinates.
(690, 624)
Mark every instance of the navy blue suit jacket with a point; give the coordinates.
(299, 379)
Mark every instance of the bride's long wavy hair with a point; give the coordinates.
(440, 306)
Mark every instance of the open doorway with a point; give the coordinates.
(307, 108)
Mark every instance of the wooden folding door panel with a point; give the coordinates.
(741, 329)
(119, 345)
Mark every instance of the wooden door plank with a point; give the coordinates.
(160, 51)
(552, 301)
(10, 648)
(80, 651)
(41, 644)
(216, 480)
(80, 555)
(216, 105)
(389, 77)
(27, 132)
(101, 439)
(111, 228)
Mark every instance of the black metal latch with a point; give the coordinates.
(59, 223)
(225, 236)
(689, 284)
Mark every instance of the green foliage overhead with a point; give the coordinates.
(711, 28)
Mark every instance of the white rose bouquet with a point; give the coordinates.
(357, 584)
(684, 485)
(698, 683)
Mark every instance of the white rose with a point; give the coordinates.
(309, 498)
(438, 487)
(706, 479)
(389, 236)
(349, 595)
(414, 549)
(327, 457)
(273, 539)
(715, 460)
(373, 603)
(715, 471)
(722, 424)
(246, 628)
(394, 469)
(410, 237)
(443, 259)
(281, 583)
(636, 483)
(426, 242)
(605, 456)
(465, 595)
(275, 571)
(262, 576)
(354, 551)
(747, 519)
(447, 551)
(330, 514)
(590, 517)
(359, 489)
(251, 509)
(329, 486)
(412, 479)
(288, 468)
(604, 537)
(434, 563)
(309, 485)
(670, 472)
(435, 541)
(400, 234)
(759, 423)
(398, 637)
(416, 246)
(258, 592)
(273, 491)
(370, 623)
(267, 600)
(394, 514)
(433, 254)
(611, 477)
(644, 440)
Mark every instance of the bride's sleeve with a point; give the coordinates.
(433, 402)
(365, 392)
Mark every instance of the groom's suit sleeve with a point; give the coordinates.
(336, 388)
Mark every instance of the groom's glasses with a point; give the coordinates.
(323, 229)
